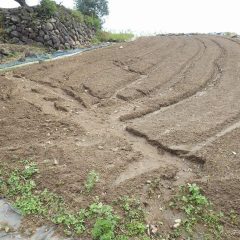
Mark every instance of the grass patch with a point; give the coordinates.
(197, 211)
(103, 36)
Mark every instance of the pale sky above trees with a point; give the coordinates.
(166, 15)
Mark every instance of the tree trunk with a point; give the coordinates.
(22, 2)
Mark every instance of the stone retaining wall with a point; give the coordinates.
(62, 31)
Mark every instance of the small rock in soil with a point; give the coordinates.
(4, 52)
(152, 229)
(22, 59)
(56, 162)
(30, 54)
(17, 76)
(178, 221)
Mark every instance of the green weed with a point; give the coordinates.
(104, 229)
(92, 179)
(198, 210)
(30, 169)
(133, 223)
(234, 217)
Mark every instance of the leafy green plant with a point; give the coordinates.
(134, 217)
(100, 209)
(132, 209)
(30, 170)
(136, 228)
(29, 204)
(92, 179)
(198, 210)
(47, 8)
(104, 229)
(74, 222)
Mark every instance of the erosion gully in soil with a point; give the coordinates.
(160, 107)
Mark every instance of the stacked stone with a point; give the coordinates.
(23, 27)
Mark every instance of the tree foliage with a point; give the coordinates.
(94, 8)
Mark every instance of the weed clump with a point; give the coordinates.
(92, 179)
(198, 210)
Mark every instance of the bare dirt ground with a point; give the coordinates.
(165, 107)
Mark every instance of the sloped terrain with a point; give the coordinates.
(158, 107)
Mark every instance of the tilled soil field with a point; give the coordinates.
(158, 107)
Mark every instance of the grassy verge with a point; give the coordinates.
(124, 219)
(103, 36)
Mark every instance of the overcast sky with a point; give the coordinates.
(156, 16)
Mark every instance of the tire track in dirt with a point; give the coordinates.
(179, 153)
(185, 67)
(103, 74)
(140, 52)
(145, 74)
(222, 128)
(70, 94)
(152, 157)
(225, 130)
(212, 81)
(135, 86)
(127, 65)
(90, 83)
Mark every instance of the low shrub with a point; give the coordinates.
(93, 22)
(47, 8)
(77, 15)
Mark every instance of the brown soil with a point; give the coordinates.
(165, 107)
